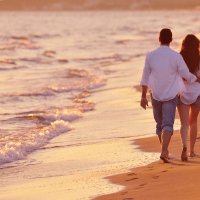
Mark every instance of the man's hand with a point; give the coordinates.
(144, 102)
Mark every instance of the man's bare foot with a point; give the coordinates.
(167, 155)
(164, 158)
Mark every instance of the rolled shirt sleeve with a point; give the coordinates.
(146, 72)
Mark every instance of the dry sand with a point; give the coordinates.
(176, 180)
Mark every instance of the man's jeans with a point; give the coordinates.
(164, 115)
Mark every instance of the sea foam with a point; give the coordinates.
(19, 148)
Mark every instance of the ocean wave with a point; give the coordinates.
(83, 94)
(84, 105)
(47, 57)
(20, 37)
(112, 57)
(23, 42)
(44, 93)
(8, 61)
(62, 60)
(7, 48)
(90, 82)
(78, 73)
(63, 114)
(18, 147)
(42, 36)
(124, 41)
(7, 68)
(45, 118)
(49, 53)
(37, 60)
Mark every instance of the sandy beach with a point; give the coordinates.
(176, 180)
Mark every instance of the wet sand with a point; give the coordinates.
(176, 180)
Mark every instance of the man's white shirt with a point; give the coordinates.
(163, 72)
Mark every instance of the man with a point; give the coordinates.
(162, 73)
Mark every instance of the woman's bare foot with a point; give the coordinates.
(184, 157)
(192, 154)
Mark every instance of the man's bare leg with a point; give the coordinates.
(160, 138)
(166, 137)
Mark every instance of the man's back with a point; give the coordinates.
(163, 58)
(162, 73)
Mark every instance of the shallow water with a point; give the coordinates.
(52, 62)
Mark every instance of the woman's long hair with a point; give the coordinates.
(190, 52)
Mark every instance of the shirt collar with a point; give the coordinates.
(164, 46)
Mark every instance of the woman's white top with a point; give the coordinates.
(191, 92)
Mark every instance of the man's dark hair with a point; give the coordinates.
(165, 36)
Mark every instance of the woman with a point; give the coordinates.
(189, 104)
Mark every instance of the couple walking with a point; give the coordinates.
(173, 81)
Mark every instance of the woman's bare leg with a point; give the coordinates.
(184, 118)
(193, 127)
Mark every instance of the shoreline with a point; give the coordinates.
(80, 159)
(175, 180)
(51, 171)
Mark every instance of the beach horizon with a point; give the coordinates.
(95, 5)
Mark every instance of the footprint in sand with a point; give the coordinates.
(171, 168)
(128, 199)
(150, 168)
(143, 184)
(123, 193)
(164, 171)
(131, 174)
(155, 177)
(132, 179)
(140, 186)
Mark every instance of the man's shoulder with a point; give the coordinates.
(152, 52)
(177, 56)
(172, 53)
(158, 51)
(175, 53)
